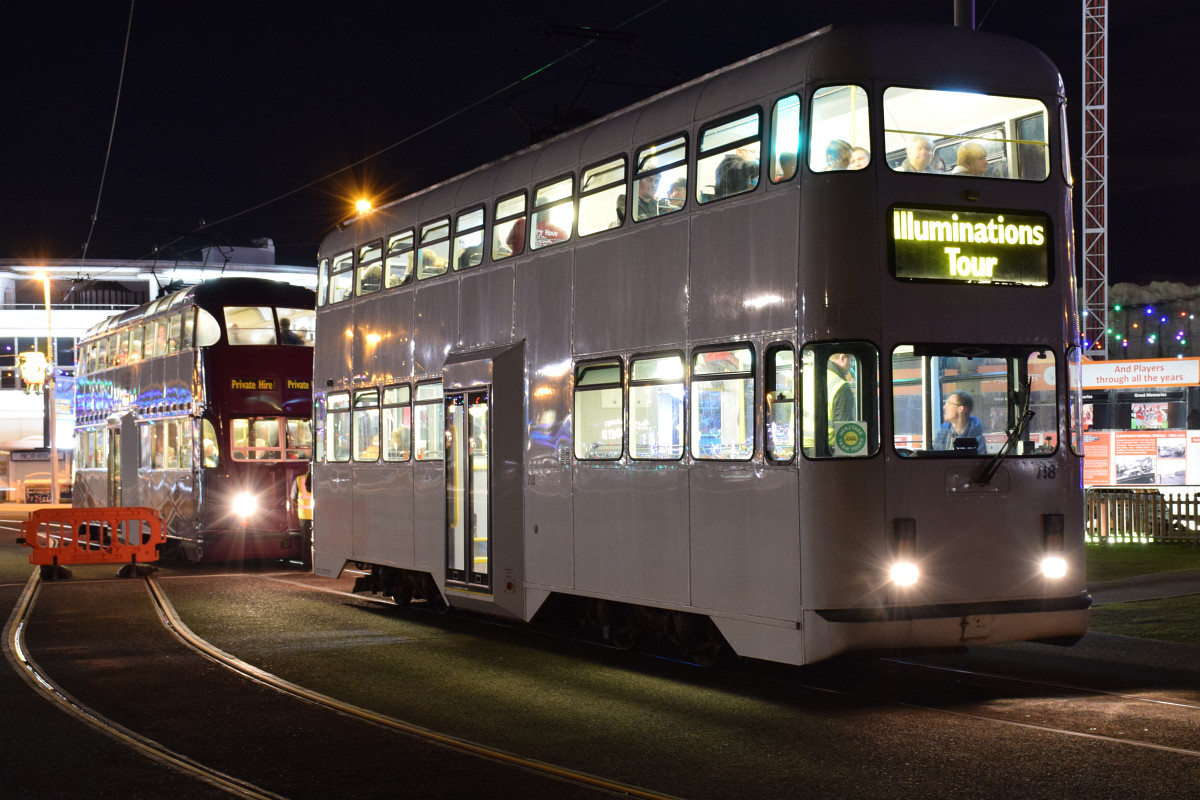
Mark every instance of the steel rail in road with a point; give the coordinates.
(173, 622)
(21, 660)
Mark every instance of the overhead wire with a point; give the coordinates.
(459, 112)
(111, 134)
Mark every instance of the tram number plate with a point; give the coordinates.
(976, 627)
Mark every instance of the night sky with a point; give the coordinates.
(238, 120)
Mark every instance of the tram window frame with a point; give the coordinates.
(243, 328)
(598, 201)
(434, 251)
(469, 238)
(941, 371)
(296, 446)
(590, 401)
(862, 442)
(508, 221)
(1074, 364)
(208, 329)
(364, 425)
(549, 201)
(785, 126)
(986, 111)
(188, 340)
(723, 143)
(318, 428)
(645, 391)
(243, 448)
(174, 332)
(368, 270)
(341, 277)
(322, 280)
(208, 436)
(396, 419)
(429, 414)
(337, 427)
(779, 403)
(399, 258)
(662, 161)
(146, 445)
(842, 127)
(711, 377)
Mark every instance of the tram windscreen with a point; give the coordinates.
(966, 401)
(259, 439)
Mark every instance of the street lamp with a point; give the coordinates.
(48, 389)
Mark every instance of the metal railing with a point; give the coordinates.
(1141, 515)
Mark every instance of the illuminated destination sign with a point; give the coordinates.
(970, 246)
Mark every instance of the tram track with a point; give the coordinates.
(22, 661)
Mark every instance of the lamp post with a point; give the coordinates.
(48, 389)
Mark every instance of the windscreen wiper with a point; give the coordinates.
(1014, 436)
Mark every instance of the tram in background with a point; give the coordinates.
(747, 364)
(199, 405)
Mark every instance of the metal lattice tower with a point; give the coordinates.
(1095, 178)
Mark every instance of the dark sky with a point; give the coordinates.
(227, 106)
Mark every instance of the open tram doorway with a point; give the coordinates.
(123, 460)
(468, 489)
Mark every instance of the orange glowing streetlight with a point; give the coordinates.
(362, 205)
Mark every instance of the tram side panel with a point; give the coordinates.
(332, 502)
(543, 320)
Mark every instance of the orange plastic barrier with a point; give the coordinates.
(93, 535)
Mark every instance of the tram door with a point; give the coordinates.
(468, 484)
(123, 462)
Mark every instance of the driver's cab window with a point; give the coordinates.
(945, 404)
(840, 404)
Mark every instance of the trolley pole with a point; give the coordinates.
(48, 389)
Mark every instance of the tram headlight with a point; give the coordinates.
(245, 504)
(904, 573)
(1054, 567)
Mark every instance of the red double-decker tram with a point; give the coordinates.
(199, 405)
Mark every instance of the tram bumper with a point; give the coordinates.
(829, 632)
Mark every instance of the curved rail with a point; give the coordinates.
(18, 656)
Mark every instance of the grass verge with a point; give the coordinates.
(1108, 562)
(1169, 620)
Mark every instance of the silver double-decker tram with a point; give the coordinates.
(783, 360)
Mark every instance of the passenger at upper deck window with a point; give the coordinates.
(786, 167)
(286, 334)
(737, 172)
(837, 154)
(920, 153)
(647, 203)
(972, 160)
(860, 157)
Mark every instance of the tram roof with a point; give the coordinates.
(912, 55)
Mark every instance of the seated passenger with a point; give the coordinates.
(837, 155)
(647, 204)
(786, 167)
(737, 172)
(286, 334)
(972, 160)
(620, 220)
(959, 424)
(919, 155)
(860, 157)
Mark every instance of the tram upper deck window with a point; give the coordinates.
(785, 138)
(656, 407)
(341, 277)
(602, 201)
(468, 239)
(729, 159)
(435, 249)
(965, 134)
(508, 227)
(322, 281)
(369, 271)
(723, 404)
(250, 324)
(840, 132)
(296, 325)
(398, 266)
(946, 405)
(660, 178)
(599, 410)
(553, 213)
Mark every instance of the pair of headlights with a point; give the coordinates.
(906, 573)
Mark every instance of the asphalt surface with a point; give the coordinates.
(770, 732)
